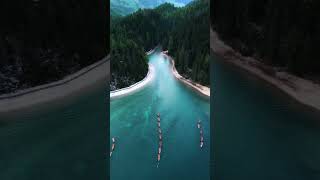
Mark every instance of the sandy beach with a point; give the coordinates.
(84, 79)
(135, 87)
(304, 91)
(202, 90)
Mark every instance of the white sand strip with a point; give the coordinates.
(135, 87)
(303, 90)
(83, 80)
(150, 52)
(202, 90)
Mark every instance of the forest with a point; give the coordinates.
(184, 32)
(43, 41)
(284, 34)
(125, 7)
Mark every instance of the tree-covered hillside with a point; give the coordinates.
(43, 41)
(282, 33)
(125, 7)
(183, 31)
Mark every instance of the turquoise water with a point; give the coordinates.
(134, 125)
(259, 132)
(56, 142)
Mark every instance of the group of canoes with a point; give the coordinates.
(201, 133)
(160, 138)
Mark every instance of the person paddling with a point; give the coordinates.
(199, 124)
(158, 160)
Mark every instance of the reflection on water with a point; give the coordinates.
(260, 133)
(134, 124)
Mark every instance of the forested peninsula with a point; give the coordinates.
(183, 31)
(282, 34)
(44, 41)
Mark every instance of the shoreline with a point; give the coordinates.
(135, 87)
(203, 91)
(80, 81)
(304, 91)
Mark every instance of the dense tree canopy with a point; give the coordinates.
(125, 7)
(43, 41)
(183, 31)
(282, 33)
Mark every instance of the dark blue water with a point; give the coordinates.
(63, 141)
(259, 132)
(133, 122)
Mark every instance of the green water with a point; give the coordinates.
(259, 132)
(133, 123)
(57, 142)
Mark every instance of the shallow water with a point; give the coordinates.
(62, 141)
(259, 132)
(134, 125)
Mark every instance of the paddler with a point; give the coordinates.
(113, 143)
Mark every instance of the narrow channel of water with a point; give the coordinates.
(133, 123)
